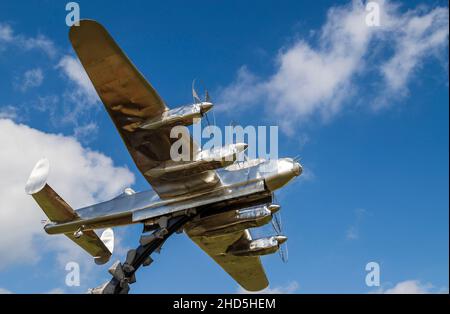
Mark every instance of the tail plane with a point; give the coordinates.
(58, 211)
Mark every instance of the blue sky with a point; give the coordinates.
(366, 109)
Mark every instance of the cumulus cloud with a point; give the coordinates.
(79, 175)
(74, 71)
(418, 34)
(290, 288)
(86, 132)
(412, 287)
(319, 79)
(8, 112)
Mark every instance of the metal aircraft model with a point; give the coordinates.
(213, 200)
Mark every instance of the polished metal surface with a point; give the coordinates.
(246, 270)
(178, 116)
(236, 183)
(257, 247)
(230, 221)
(59, 212)
(212, 197)
(131, 102)
(205, 160)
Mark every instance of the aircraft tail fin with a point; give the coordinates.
(58, 211)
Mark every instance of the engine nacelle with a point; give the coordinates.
(232, 220)
(178, 116)
(205, 160)
(262, 246)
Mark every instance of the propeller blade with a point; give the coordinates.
(207, 119)
(194, 93)
(276, 223)
(214, 117)
(207, 97)
(283, 250)
(274, 197)
(297, 158)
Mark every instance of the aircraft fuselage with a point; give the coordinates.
(244, 184)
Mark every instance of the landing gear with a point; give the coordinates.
(124, 274)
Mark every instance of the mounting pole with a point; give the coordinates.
(124, 274)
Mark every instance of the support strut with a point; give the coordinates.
(124, 274)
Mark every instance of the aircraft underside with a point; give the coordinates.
(210, 195)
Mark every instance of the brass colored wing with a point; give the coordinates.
(91, 243)
(246, 270)
(121, 87)
(130, 101)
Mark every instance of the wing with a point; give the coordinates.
(130, 100)
(246, 270)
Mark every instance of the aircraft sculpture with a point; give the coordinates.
(213, 200)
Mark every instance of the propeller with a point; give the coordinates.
(276, 223)
(238, 162)
(283, 251)
(278, 227)
(196, 98)
(297, 158)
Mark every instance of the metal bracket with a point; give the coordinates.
(79, 232)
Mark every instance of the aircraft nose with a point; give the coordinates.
(297, 168)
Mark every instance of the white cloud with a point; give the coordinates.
(79, 175)
(418, 34)
(86, 132)
(246, 89)
(56, 291)
(40, 42)
(5, 291)
(82, 95)
(8, 112)
(353, 231)
(73, 69)
(32, 78)
(411, 287)
(77, 99)
(6, 33)
(320, 79)
(291, 287)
